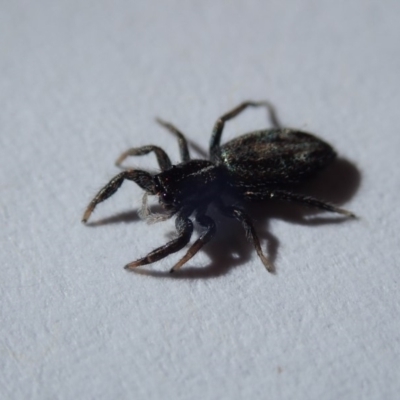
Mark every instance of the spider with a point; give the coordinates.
(256, 166)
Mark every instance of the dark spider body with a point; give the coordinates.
(274, 157)
(255, 166)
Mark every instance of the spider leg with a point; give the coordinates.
(184, 227)
(297, 198)
(251, 234)
(162, 158)
(183, 146)
(204, 238)
(142, 178)
(219, 125)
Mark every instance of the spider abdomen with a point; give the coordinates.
(275, 156)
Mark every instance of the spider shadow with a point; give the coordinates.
(230, 249)
(123, 217)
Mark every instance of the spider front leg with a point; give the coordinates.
(251, 234)
(162, 157)
(184, 226)
(142, 178)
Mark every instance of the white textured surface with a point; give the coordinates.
(80, 81)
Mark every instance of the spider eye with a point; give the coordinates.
(167, 198)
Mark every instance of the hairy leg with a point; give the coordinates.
(251, 234)
(204, 238)
(142, 178)
(219, 125)
(183, 146)
(184, 227)
(296, 198)
(162, 158)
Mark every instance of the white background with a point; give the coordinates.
(80, 82)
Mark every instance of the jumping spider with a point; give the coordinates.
(256, 166)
